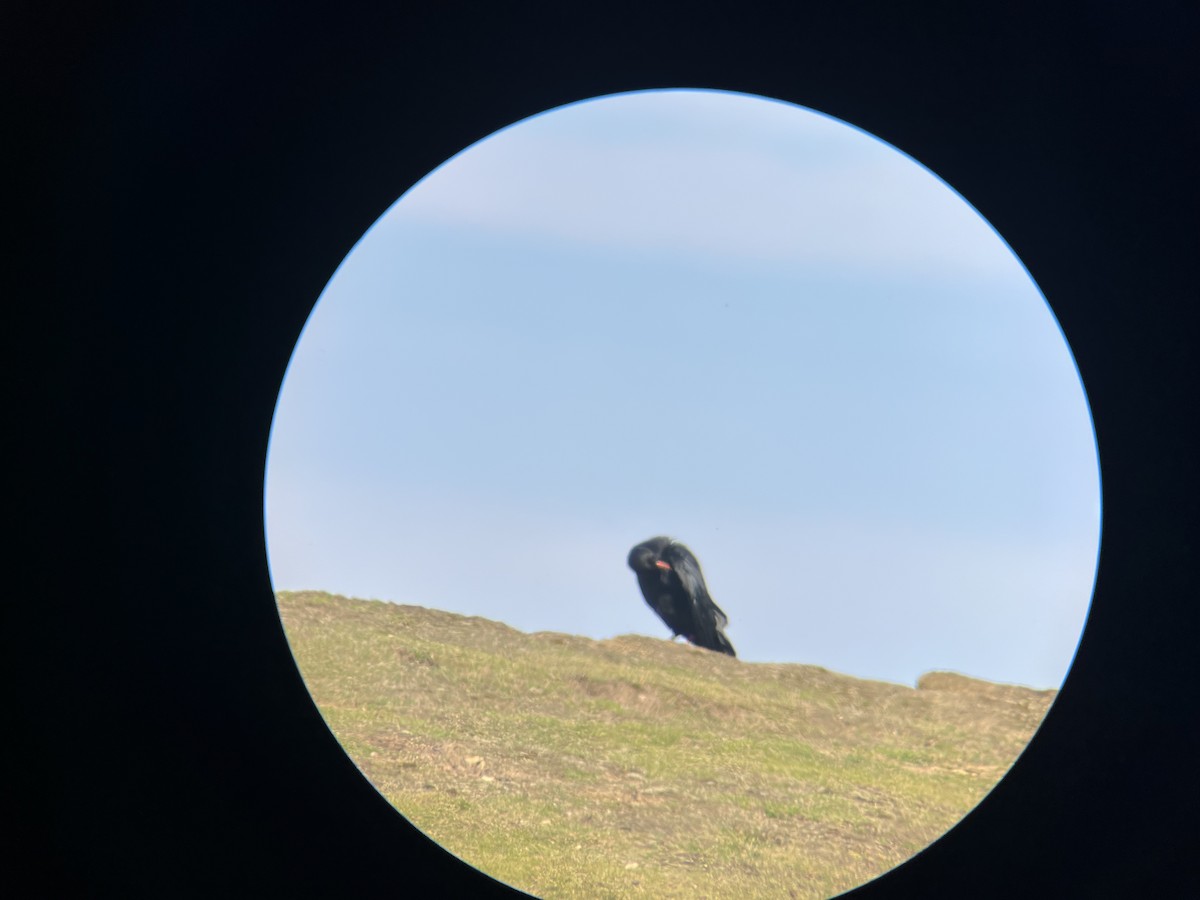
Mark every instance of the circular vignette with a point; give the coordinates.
(907, 308)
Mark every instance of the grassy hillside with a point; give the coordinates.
(635, 767)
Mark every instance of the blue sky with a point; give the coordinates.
(718, 317)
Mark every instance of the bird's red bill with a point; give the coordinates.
(663, 565)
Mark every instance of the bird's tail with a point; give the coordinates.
(723, 645)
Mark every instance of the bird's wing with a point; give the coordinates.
(719, 616)
(685, 565)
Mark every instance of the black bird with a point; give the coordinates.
(671, 581)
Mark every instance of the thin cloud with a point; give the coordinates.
(854, 202)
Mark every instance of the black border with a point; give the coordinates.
(196, 174)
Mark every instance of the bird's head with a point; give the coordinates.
(645, 556)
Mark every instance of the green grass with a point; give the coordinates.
(635, 767)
